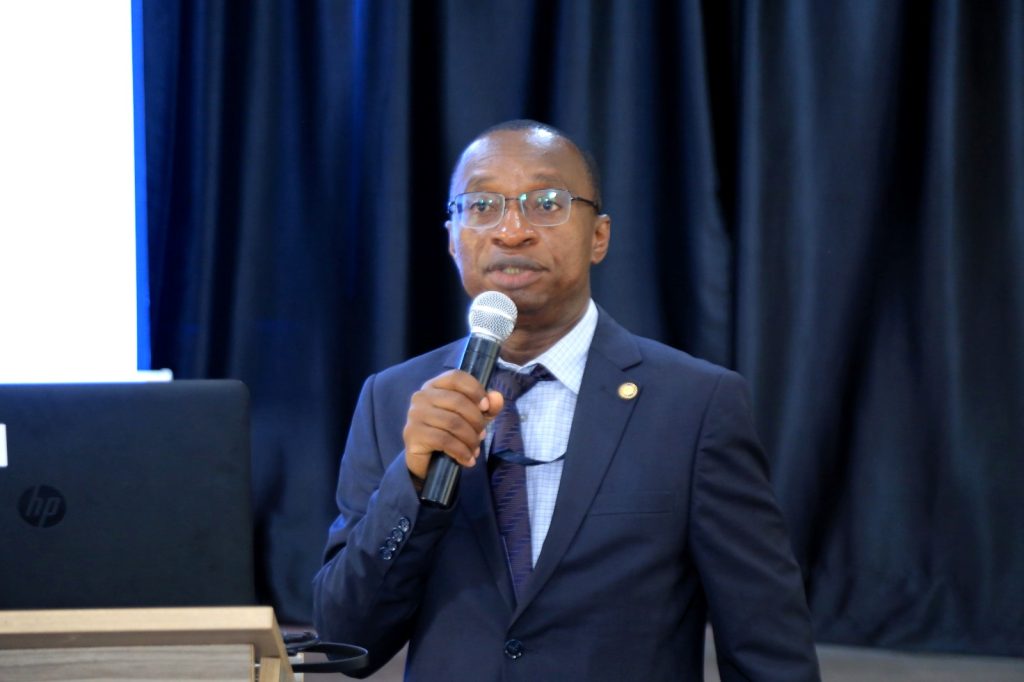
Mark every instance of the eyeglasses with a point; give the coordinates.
(541, 207)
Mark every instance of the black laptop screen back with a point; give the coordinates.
(121, 495)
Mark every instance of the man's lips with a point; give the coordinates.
(513, 266)
(512, 273)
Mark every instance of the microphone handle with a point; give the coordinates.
(478, 359)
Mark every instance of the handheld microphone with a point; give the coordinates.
(492, 317)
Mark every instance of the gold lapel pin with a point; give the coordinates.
(628, 390)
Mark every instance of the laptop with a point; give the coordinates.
(122, 495)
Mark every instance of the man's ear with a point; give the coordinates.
(451, 237)
(602, 235)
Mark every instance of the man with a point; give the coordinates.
(658, 518)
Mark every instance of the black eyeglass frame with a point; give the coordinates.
(522, 205)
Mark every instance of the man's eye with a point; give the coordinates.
(480, 206)
(548, 204)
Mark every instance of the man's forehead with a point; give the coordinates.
(545, 155)
(480, 176)
(532, 140)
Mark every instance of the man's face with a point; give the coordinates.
(544, 270)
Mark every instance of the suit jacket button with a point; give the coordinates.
(386, 554)
(514, 648)
(397, 535)
(404, 524)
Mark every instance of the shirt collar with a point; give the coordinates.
(567, 359)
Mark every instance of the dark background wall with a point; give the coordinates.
(828, 197)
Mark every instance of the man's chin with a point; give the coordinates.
(527, 305)
(522, 296)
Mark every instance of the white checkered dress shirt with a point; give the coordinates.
(546, 412)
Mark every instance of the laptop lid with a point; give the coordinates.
(117, 495)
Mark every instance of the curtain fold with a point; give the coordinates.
(828, 197)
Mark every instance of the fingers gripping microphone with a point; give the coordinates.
(492, 317)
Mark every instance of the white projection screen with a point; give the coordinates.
(68, 277)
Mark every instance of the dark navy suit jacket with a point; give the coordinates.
(664, 519)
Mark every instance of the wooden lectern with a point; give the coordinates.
(223, 644)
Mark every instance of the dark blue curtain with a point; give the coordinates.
(828, 197)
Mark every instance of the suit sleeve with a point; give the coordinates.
(753, 584)
(379, 548)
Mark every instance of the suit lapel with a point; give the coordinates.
(474, 500)
(599, 420)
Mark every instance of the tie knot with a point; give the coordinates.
(514, 384)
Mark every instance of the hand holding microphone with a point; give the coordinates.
(447, 417)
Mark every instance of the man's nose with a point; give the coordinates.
(514, 229)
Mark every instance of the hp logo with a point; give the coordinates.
(42, 506)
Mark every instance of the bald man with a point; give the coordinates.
(645, 492)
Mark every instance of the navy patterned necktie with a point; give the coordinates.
(507, 463)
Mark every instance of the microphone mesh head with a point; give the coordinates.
(493, 314)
